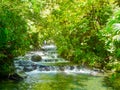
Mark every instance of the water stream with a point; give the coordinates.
(45, 70)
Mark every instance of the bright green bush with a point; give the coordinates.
(14, 39)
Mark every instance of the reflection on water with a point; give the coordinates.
(56, 81)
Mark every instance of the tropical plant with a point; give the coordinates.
(14, 39)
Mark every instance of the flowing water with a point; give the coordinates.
(53, 73)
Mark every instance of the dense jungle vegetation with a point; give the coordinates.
(85, 31)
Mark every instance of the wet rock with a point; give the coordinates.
(24, 62)
(72, 67)
(34, 66)
(47, 68)
(44, 68)
(61, 68)
(36, 58)
(15, 77)
(29, 68)
(19, 68)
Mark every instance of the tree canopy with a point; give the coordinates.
(85, 31)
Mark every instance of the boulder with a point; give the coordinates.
(61, 68)
(15, 77)
(28, 69)
(36, 58)
(44, 68)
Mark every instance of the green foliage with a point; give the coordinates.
(34, 40)
(113, 33)
(113, 81)
(14, 39)
(85, 31)
(77, 30)
(13, 30)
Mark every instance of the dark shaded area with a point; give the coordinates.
(15, 77)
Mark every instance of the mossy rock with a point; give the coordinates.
(36, 58)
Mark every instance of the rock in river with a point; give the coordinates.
(15, 77)
(36, 58)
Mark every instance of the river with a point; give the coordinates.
(47, 75)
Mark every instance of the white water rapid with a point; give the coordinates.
(47, 61)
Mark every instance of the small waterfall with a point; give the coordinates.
(47, 61)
